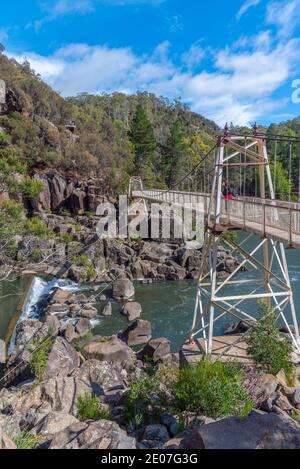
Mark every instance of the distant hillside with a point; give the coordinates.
(38, 124)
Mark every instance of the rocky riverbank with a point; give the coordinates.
(79, 364)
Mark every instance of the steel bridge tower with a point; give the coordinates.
(217, 297)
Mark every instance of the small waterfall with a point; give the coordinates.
(39, 289)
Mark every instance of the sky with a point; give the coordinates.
(231, 61)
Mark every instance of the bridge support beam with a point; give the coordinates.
(266, 262)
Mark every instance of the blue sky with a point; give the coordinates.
(231, 61)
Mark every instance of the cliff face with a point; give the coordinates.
(66, 192)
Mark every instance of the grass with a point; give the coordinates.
(89, 408)
(295, 415)
(25, 440)
(39, 358)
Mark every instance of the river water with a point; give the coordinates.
(169, 306)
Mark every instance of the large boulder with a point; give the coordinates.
(77, 202)
(89, 312)
(109, 349)
(57, 186)
(258, 431)
(63, 359)
(102, 434)
(132, 310)
(137, 333)
(107, 310)
(53, 423)
(156, 349)
(156, 432)
(42, 203)
(123, 289)
(107, 379)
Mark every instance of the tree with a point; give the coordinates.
(174, 155)
(141, 135)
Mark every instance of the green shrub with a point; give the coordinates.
(39, 358)
(25, 440)
(36, 227)
(267, 346)
(149, 396)
(36, 255)
(89, 408)
(11, 209)
(64, 238)
(214, 389)
(64, 212)
(31, 187)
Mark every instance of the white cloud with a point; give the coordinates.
(194, 56)
(56, 8)
(245, 7)
(285, 15)
(240, 87)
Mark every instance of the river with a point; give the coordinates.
(169, 306)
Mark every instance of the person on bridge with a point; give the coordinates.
(228, 192)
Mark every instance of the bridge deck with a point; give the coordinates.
(275, 219)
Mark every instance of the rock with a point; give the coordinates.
(258, 431)
(132, 310)
(156, 252)
(281, 376)
(239, 328)
(70, 333)
(6, 442)
(60, 296)
(102, 434)
(43, 201)
(57, 190)
(156, 432)
(296, 396)
(123, 289)
(137, 333)
(171, 422)
(2, 351)
(88, 312)
(283, 403)
(156, 349)
(53, 323)
(28, 329)
(106, 378)
(61, 393)
(107, 310)
(109, 349)
(83, 326)
(63, 359)
(53, 423)
(189, 439)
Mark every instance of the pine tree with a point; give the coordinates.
(174, 155)
(141, 135)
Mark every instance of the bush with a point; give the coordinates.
(89, 408)
(214, 389)
(25, 440)
(39, 358)
(267, 346)
(149, 397)
(30, 187)
(36, 227)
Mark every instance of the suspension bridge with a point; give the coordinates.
(272, 223)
